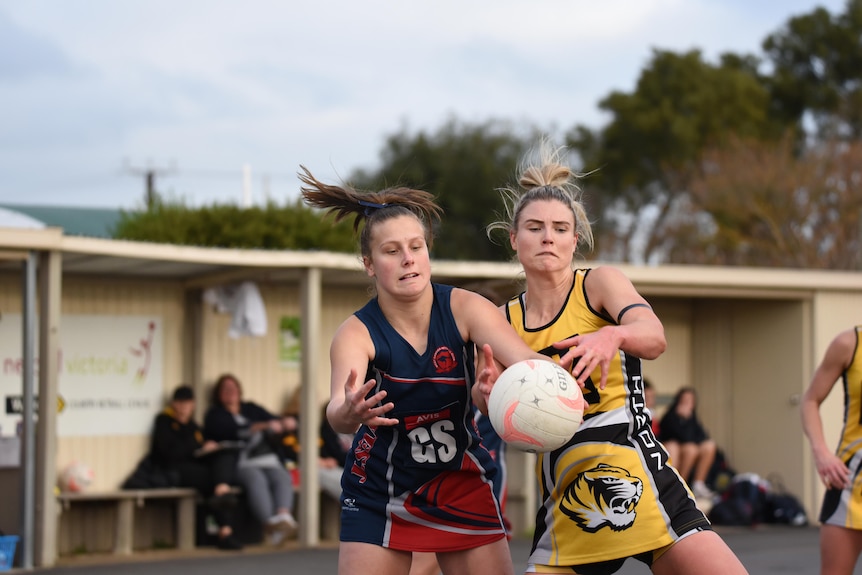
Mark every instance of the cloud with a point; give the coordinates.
(208, 85)
(25, 56)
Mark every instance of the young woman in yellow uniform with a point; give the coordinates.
(841, 513)
(609, 494)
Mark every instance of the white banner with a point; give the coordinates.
(110, 374)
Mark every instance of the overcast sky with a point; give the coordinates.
(94, 92)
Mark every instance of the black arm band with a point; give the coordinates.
(627, 308)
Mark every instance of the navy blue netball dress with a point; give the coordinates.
(424, 484)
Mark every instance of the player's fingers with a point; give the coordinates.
(350, 381)
(382, 421)
(567, 360)
(586, 364)
(370, 383)
(361, 392)
(606, 367)
(577, 372)
(570, 342)
(604, 380)
(488, 353)
(376, 398)
(381, 409)
(834, 477)
(377, 414)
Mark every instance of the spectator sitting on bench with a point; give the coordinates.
(179, 448)
(260, 467)
(332, 452)
(688, 445)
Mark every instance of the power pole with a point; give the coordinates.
(150, 173)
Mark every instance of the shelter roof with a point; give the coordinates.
(204, 267)
(75, 221)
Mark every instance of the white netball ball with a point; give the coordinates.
(75, 477)
(536, 406)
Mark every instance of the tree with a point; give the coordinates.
(643, 158)
(273, 227)
(817, 71)
(761, 204)
(463, 165)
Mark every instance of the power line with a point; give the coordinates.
(242, 176)
(150, 173)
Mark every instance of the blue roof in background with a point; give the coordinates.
(92, 222)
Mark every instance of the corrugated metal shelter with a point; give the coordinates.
(746, 339)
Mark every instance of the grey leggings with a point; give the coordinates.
(267, 489)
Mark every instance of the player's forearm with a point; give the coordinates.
(643, 338)
(812, 426)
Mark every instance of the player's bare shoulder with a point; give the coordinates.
(606, 276)
(470, 310)
(352, 332)
(467, 301)
(843, 347)
(605, 283)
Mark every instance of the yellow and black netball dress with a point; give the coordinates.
(609, 493)
(843, 507)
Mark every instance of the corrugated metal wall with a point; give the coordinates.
(256, 361)
(748, 358)
(253, 360)
(113, 457)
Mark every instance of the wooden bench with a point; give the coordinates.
(128, 499)
(186, 500)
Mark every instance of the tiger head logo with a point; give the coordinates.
(603, 496)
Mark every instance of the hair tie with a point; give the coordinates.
(371, 205)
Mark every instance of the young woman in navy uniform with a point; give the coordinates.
(417, 477)
(608, 494)
(841, 512)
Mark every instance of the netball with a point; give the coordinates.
(75, 477)
(536, 406)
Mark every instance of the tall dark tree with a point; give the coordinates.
(463, 165)
(642, 160)
(816, 62)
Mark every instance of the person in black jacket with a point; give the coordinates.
(690, 449)
(178, 447)
(260, 466)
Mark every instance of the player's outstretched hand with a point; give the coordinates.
(366, 410)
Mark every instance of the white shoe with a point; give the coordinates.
(279, 528)
(288, 518)
(701, 491)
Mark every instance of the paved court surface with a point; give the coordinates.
(763, 550)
